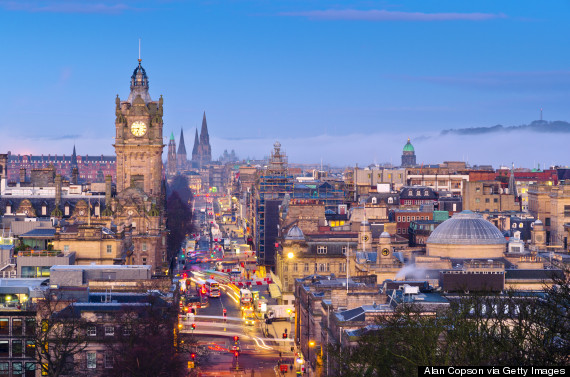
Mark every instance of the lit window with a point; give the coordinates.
(91, 360)
(92, 331)
(321, 249)
(109, 331)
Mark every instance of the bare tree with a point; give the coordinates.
(58, 334)
(147, 342)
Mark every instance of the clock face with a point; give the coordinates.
(365, 238)
(138, 128)
(385, 252)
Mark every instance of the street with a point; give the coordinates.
(233, 347)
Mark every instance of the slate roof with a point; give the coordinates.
(39, 233)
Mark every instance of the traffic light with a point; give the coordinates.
(236, 338)
(193, 356)
(236, 354)
(193, 326)
(284, 335)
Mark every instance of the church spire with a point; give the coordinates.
(204, 137)
(181, 144)
(73, 158)
(196, 144)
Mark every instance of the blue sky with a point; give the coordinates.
(346, 81)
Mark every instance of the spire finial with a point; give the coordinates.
(140, 60)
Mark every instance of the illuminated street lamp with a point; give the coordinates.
(290, 255)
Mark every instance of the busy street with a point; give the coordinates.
(225, 303)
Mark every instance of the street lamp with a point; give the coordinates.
(290, 255)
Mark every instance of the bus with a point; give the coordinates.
(212, 288)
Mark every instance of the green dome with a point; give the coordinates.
(408, 147)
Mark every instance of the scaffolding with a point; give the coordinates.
(274, 182)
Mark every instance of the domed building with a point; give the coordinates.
(466, 235)
(408, 155)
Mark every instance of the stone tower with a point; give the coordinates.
(365, 236)
(204, 148)
(138, 140)
(182, 159)
(171, 160)
(408, 155)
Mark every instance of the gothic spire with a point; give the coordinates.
(196, 144)
(181, 144)
(204, 137)
(74, 158)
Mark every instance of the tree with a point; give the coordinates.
(180, 185)
(145, 343)
(513, 328)
(178, 222)
(58, 334)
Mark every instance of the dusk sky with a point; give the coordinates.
(345, 81)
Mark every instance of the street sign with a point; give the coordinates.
(190, 365)
(283, 368)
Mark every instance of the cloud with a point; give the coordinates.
(386, 15)
(64, 6)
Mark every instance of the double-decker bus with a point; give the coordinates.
(212, 288)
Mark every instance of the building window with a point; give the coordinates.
(344, 249)
(30, 369)
(566, 211)
(66, 248)
(321, 249)
(109, 331)
(30, 348)
(321, 267)
(109, 249)
(408, 219)
(126, 331)
(4, 326)
(4, 348)
(91, 360)
(30, 326)
(17, 369)
(17, 348)
(17, 326)
(495, 200)
(426, 193)
(66, 210)
(44, 210)
(342, 267)
(547, 221)
(144, 261)
(477, 200)
(486, 200)
(92, 331)
(108, 360)
(328, 267)
(390, 200)
(306, 269)
(399, 219)
(4, 369)
(295, 267)
(285, 267)
(374, 200)
(144, 246)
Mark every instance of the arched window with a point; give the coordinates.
(374, 200)
(390, 200)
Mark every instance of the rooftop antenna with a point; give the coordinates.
(541, 113)
(140, 60)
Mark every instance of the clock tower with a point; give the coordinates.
(138, 140)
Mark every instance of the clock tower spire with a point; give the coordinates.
(138, 140)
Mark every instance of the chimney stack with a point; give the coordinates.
(108, 180)
(22, 175)
(57, 190)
